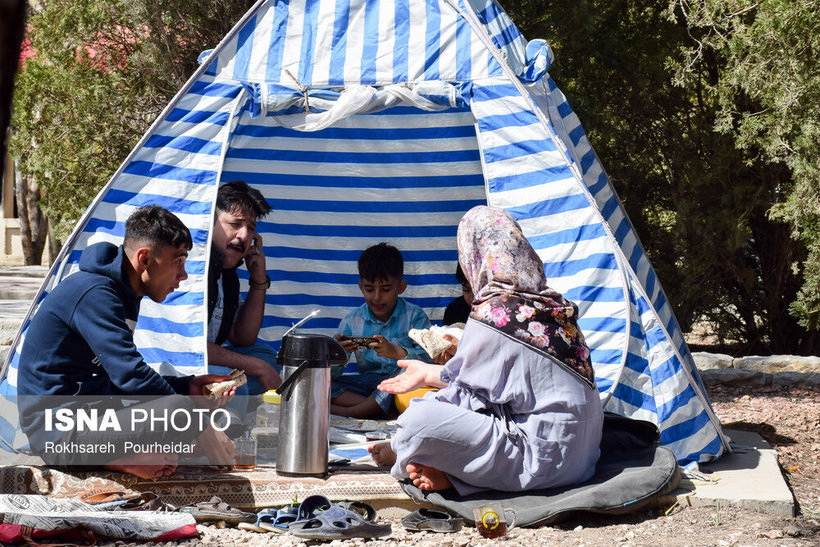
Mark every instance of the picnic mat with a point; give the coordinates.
(633, 471)
(249, 489)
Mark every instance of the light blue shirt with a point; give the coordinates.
(406, 316)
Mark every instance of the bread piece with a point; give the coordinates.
(216, 389)
(432, 340)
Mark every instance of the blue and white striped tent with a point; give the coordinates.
(385, 120)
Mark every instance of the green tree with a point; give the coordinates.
(101, 73)
(699, 203)
(769, 102)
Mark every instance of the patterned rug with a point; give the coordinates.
(250, 489)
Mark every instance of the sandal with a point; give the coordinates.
(215, 509)
(311, 506)
(321, 519)
(364, 509)
(147, 501)
(102, 497)
(431, 520)
(279, 521)
(261, 516)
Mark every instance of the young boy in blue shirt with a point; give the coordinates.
(387, 318)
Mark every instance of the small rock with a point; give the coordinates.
(792, 531)
(578, 528)
(771, 534)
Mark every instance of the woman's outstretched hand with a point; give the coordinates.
(416, 374)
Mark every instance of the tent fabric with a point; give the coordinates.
(368, 121)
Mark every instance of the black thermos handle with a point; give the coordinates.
(292, 378)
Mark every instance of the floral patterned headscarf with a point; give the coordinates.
(510, 291)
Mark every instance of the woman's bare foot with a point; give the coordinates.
(382, 454)
(428, 478)
(145, 466)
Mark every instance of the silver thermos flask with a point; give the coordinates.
(305, 413)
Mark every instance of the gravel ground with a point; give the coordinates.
(788, 418)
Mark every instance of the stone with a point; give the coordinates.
(733, 376)
(792, 531)
(778, 363)
(711, 361)
(772, 534)
(796, 379)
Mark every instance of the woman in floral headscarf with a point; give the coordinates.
(518, 409)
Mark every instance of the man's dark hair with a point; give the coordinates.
(156, 227)
(380, 262)
(237, 195)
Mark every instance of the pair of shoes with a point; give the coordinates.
(431, 520)
(318, 518)
(215, 509)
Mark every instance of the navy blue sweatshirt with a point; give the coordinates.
(81, 342)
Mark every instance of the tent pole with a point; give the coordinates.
(229, 128)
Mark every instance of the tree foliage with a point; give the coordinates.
(701, 197)
(769, 102)
(704, 112)
(101, 73)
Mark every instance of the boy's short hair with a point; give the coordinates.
(460, 275)
(381, 262)
(155, 226)
(236, 194)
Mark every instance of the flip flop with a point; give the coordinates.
(106, 496)
(278, 521)
(338, 523)
(260, 516)
(215, 509)
(431, 520)
(251, 527)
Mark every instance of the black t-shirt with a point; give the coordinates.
(457, 311)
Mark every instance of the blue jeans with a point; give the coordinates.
(364, 385)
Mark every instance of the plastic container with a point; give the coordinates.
(267, 415)
(267, 427)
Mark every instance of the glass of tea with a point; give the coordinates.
(245, 452)
(490, 520)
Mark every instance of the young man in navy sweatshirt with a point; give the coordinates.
(80, 343)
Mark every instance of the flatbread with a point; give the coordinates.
(216, 389)
(432, 340)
